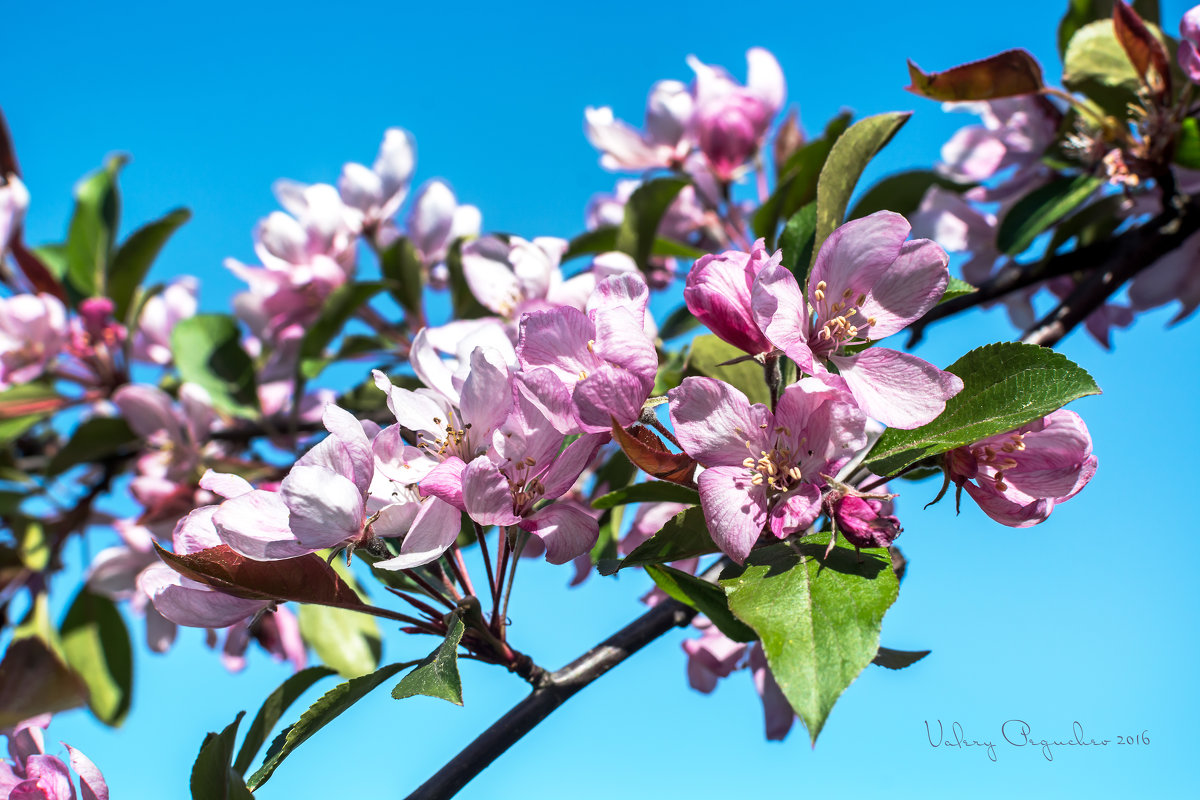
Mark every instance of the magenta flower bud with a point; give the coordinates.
(862, 521)
(1189, 35)
(718, 293)
(730, 130)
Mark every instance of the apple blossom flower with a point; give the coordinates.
(865, 521)
(1015, 133)
(1018, 477)
(602, 358)
(664, 142)
(175, 434)
(718, 293)
(160, 314)
(1189, 40)
(520, 276)
(14, 200)
(436, 221)
(376, 193)
(867, 283)
(31, 774)
(730, 121)
(329, 499)
(764, 469)
(278, 633)
(33, 331)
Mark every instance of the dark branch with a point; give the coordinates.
(1127, 257)
(552, 691)
(1141, 245)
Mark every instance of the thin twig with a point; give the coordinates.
(430, 589)
(487, 558)
(455, 562)
(522, 537)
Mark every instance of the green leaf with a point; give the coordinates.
(643, 213)
(54, 258)
(1005, 386)
(338, 309)
(1081, 12)
(796, 242)
(850, 155)
(34, 679)
(272, 709)
(93, 230)
(94, 439)
(403, 274)
(818, 617)
(797, 184)
(1037, 211)
(1187, 146)
(347, 641)
(212, 776)
(956, 288)
(707, 598)
(318, 715)
(1096, 65)
(648, 492)
(96, 645)
(32, 545)
(436, 675)
(903, 192)
(136, 255)
(709, 352)
(604, 240)
(685, 535)
(208, 352)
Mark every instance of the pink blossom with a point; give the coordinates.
(711, 657)
(31, 774)
(778, 716)
(33, 330)
(1189, 35)
(1017, 477)
(14, 200)
(526, 465)
(278, 633)
(867, 283)
(731, 121)
(864, 521)
(160, 314)
(517, 277)
(603, 358)
(436, 221)
(763, 469)
(174, 434)
(718, 293)
(664, 142)
(1015, 133)
(375, 194)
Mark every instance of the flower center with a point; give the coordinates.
(1000, 459)
(844, 322)
(455, 442)
(526, 488)
(777, 469)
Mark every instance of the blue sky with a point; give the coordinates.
(1089, 617)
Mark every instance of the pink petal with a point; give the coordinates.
(716, 424)
(781, 312)
(191, 604)
(570, 464)
(854, 257)
(1006, 510)
(778, 716)
(446, 481)
(489, 276)
(610, 392)
(485, 392)
(565, 530)
(325, 509)
(91, 782)
(486, 493)
(898, 389)
(734, 508)
(558, 340)
(431, 217)
(913, 284)
(256, 525)
(433, 531)
(225, 484)
(764, 78)
(796, 510)
(196, 531)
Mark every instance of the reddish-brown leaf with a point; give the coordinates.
(1011, 73)
(34, 680)
(307, 579)
(1145, 51)
(8, 156)
(649, 454)
(35, 271)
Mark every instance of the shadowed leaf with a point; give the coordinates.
(1007, 74)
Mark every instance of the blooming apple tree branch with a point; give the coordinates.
(743, 451)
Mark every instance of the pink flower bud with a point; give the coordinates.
(718, 293)
(730, 130)
(862, 521)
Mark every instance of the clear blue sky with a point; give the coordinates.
(1089, 617)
